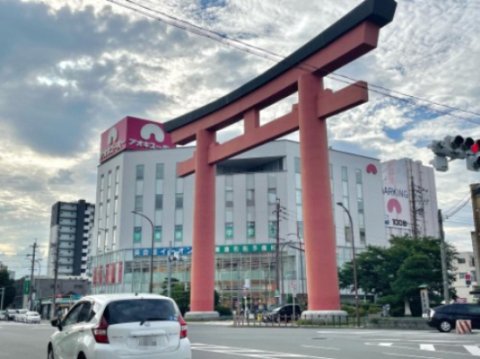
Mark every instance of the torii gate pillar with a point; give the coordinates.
(203, 257)
(319, 231)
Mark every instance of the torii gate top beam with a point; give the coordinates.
(376, 12)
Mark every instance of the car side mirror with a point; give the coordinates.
(57, 322)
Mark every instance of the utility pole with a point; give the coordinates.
(53, 314)
(32, 271)
(443, 257)
(170, 258)
(3, 295)
(414, 207)
(277, 253)
(475, 194)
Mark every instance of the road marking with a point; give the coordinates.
(385, 344)
(246, 352)
(473, 349)
(320, 347)
(428, 347)
(409, 356)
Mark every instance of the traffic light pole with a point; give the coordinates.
(443, 257)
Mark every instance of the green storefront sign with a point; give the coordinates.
(26, 286)
(245, 248)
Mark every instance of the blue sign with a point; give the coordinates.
(163, 251)
(220, 249)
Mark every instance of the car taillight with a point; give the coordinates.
(100, 332)
(183, 327)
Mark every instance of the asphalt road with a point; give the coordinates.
(216, 340)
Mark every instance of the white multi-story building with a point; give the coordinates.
(465, 276)
(253, 190)
(70, 229)
(410, 199)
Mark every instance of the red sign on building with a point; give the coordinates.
(134, 134)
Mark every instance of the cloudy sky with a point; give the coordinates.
(69, 69)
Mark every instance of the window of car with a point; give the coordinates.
(138, 310)
(473, 309)
(79, 313)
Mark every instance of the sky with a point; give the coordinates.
(70, 69)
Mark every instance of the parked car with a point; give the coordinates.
(20, 315)
(121, 326)
(11, 314)
(283, 313)
(444, 317)
(31, 317)
(3, 315)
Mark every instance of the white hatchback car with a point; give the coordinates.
(32, 317)
(109, 326)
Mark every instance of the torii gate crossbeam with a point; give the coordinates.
(303, 71)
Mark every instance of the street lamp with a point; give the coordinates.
(354, 263)
(153, 247)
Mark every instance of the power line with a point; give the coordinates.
(457, 207)
(223, 39)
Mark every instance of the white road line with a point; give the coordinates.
(320, 347)
(385, 344)
(251, 353)
(428, 347)
(409, 356)
(473, 349)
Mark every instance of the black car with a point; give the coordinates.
(283, 313)
(444, 317)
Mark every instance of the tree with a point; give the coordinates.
(393, 274)
(7, 283)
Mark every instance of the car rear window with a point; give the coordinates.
(138, 310)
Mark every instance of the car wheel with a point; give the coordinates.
(445, 326)
(81, 356)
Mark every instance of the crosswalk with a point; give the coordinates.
(473, 350)
(250, 353)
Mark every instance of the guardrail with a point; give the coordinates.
(265, 320)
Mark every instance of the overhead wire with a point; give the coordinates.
(456, 208)
(258, 51)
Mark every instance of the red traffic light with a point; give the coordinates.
(475, 147)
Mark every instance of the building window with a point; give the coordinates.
(360, 205)
(138, 203)
(250, 197)
(158, 234)
(114, 238)
(179, 200)
(137, 234)
(272, 229)
(250, 229)
(159, 201)
(229, 230)
(139, 174)
(461, 260)
(178, 233)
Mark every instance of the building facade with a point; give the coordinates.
(258, 209)
(410, 199)
(465, 277)
(70, 228)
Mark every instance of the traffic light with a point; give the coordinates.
(473, 158)
(456, 147)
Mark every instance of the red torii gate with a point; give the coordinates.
(303, 71)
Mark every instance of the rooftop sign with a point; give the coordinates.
(133, 134)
